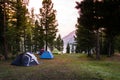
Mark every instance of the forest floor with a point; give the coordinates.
(64, 67)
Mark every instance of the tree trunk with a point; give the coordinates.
(5, 48)
(4, 36)
(98, 47)
(110, 46)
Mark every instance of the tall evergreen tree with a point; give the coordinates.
(59, 43)
(21, 24)
(85, 39)
(90, 19)
(48, 22)
(15, 23)
(5, 15)
(68, 48)
(111, 23)
(29, 31)
(3, 44)
(38, 38)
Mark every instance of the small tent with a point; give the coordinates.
(46, 55)
(25, 59)
(56, 51)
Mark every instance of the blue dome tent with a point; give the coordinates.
(46, 55)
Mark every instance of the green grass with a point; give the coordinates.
(63, 67)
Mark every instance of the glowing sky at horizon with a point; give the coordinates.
(66, 14)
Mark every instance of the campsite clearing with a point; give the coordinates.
(64, 67)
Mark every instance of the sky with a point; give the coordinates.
(66, 15)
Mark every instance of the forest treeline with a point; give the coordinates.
(22, 30)
(97, 27)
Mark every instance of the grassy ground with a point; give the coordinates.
(64, 67)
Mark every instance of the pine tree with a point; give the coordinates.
(2, 29)
(38, 38)
(59, 43)
(4, 20)
(111, 23)
(85, 39)
(48, 22)
(15, 24)
(21, 25)
(68, 48)
(90, 19)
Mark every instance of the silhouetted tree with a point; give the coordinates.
(59, 43)
(3, 20)
(111, 17)
(96, 14)
(38, 38)
(68, 48)
(85, 39)
(6, 7)
(21, 24)
(89, 19)
(48, 22)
